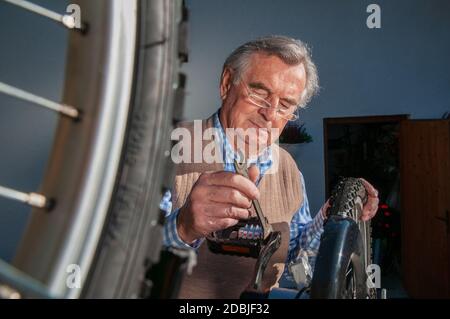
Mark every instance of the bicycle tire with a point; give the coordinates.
(345, 248)
(118, 243)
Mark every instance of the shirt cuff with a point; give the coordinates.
(171, 237)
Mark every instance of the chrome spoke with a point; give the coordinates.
(67, 20)
(7, 292)
(67, 110)
(33, 199)
(9, 275)
(349, 271)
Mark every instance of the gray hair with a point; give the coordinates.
(290, 51)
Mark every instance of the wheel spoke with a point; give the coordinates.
(349, 271)
(13, 277)
(66, 20)
(33, 199)
(64, 109)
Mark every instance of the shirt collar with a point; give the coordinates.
(263, 159)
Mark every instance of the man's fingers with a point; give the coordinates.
(229, 211)
(364, 218)
(224, 194)
(374, 206)
(370, 209)
(244, 185)
(253, 173)
(226, 222)
(372, 192)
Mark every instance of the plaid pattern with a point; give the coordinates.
(305, 232)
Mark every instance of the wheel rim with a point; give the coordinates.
(69, 234)
(351, 292)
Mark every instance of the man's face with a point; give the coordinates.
(268, 76)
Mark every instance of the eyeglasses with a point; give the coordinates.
(286, 112)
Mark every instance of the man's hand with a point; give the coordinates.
(217, 201)
(371, 206)
(369, 209)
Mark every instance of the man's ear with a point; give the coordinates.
(225, 83)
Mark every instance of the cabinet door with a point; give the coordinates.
(425, 191)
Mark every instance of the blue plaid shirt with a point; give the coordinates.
(305, 232)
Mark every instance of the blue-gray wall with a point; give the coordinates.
(32, 55)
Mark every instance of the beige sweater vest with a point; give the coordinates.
(222, 276)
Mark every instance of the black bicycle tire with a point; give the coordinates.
(108, 170)
(342, 244)
(162, 45)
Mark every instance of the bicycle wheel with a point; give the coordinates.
(108, 170)
(345, 248)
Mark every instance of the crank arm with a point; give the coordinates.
(272, 244)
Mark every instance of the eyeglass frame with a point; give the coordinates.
(251, 97)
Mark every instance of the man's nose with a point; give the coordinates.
(270, 114)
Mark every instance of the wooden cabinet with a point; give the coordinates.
(425, 197)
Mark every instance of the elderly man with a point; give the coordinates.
(263, 84)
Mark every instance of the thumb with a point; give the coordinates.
(253, 173)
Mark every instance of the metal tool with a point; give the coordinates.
(240, 240)
(246, 238)
(241, 168)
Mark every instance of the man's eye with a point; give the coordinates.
(260, 92)
(284, 106)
